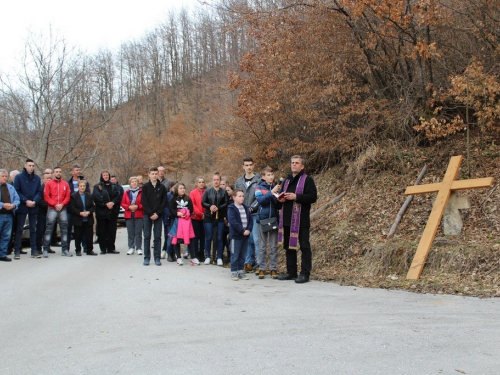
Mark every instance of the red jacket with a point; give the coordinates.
(198, 209)
(56, 192)
(139, 213)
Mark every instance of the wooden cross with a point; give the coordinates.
(443, 189)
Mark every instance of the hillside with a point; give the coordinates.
(349, 239)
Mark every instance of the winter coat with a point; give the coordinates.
(182, 228)
(75, 207)
(267, 201)
(217, 198)
(101, 197)
(154, 199)
(56, 192)
(139, 213)
(250, 200)
(236, 229)
(196, 196)
(29, 188)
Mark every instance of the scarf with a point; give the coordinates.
(293, 241)
(133, 195)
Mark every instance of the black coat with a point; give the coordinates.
(306, 199)
(75, 207)
(154, 199)
(101, 197)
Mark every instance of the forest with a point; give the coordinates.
(328, 79)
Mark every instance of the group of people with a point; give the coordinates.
(248, 218)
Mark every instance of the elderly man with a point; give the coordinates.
(9, 201)
(162, 179)
(299, 194)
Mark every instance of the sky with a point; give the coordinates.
(88, 24)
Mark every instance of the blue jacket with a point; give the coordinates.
(236, 229)
(14, 197)
(267, 201)
(166, 213)
(29, 188)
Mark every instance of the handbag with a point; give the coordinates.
(268, 225)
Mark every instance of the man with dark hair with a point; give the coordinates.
(154, 201)
(248, 182)
(300, 193)
(114, 180)
(9, 201)
(29, 188)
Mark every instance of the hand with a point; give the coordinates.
(246, 233)
(213, 208)
(276, 188)
(30, 203)
(8, 206)
(133, 207)
(110, 205)
(290, 196)
(154, 216)
(59, 207)
(180, 214)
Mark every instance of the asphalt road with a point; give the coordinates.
(111, 315)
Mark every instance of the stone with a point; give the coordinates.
(452, 218)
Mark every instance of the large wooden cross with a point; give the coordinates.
(443, 189)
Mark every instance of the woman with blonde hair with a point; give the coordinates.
(134, 214)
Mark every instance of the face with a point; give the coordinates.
(153, 176)
(57, 173)
(223, 184)
(114, 180)
(81, 187)
(3, 178)
(269, 177)
(239, 198)
(30, 167)
(133, 183)
(248, 167)
(229, 191)
(216, 181)
(105, 176)
(200, 184)
(75, 172)
(181, 190)
(297, 166)
(161, 172)
(140, 180)
(46, 178)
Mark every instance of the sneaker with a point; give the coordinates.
(36, 255)
(146, 261)
(248, 268)
(170, 258)
(157, 262)
(180, 262)
(219, 262)
(274, 274)
(17, 256)
(257, 270)
(185, 255)
(66, 253)
(262, 274)
(243, 276)
(195, 262)
(130, 251)
(45, 254)
(234, 276)
(139, 252)
(163, 254)
(207, 261)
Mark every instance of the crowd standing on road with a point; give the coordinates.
(247, 219)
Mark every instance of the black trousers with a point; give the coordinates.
(106, 231)
(291, 255)
(81, 230)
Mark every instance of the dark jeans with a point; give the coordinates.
(167, 245)
(21, 218)
(238, 249)
(155, 225)
(86, 230)
(209, 234)
(199, 239)
(41, 222)
(106, 231)
(291, 255)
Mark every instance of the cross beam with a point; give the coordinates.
(443, 190)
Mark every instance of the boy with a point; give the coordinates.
(240, 227)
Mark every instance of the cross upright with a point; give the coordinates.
(443, 189)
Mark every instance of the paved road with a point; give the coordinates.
(111, 315)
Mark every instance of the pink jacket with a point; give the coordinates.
(184, 228)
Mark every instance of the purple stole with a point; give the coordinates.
(293, 241)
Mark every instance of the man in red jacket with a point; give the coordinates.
(57, 194)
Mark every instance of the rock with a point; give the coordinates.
(452, 218)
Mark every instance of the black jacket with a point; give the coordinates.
(76, 206)
(154, 199)
(177, 203)
(217, 198)
(101, 197)
(306, 199)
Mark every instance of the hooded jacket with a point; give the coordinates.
(29, 188)
(250, 200)
(267, 201)
(101, 196)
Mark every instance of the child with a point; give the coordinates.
(134, 216)
(181, 208)
(240, 227)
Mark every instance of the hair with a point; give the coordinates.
(176, 188)
(302, 160)
(132, 178)
(82, 182)
(230, 187)
(75, 166)
(15, 171)
(267, 169)
(198, 179)
(29, 161)
(57, 167)
(153, 169)
(2, 171)
(236, 191)
(216, 174)
(171, 184)
(247, 159)
(224, 178)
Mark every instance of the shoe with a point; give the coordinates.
(45, 254)
(139, 252)
(103, 252)
(24, 252)
(5, 259)
(243, 276)
(180, 262)
(262, 274)
(185, 255)
(146, 261)
(78, 253)
(207, 260)
(219, 262)
(286, 276)
(66, 253)
(302, 279)
(36, 255)
(195, 262)
(234, 276)
(17, 256)
(51, 251)
(158, 262)
(130, 251)
(274, 274)
(91, 252)
(170, 258)
(248, 268)
(257, 270)
(40, 252)
(113, 252)
(163, 254)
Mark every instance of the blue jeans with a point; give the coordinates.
(5, 233)
(167, 245)
(252, 257)
(209, 234)
(156, 226)
(238, 249)
(21, 218)
(62, 218)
